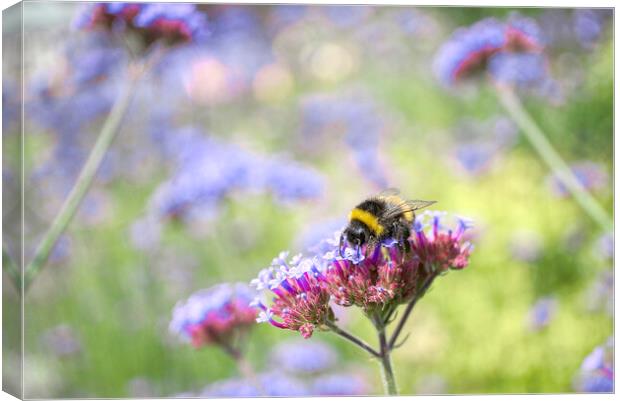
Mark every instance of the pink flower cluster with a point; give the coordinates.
(392, 274)
(217, 315)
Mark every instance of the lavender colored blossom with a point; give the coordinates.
(274, 384)
(172, 23)
(340, 384)
(145, 233)
(217, 315)
(596, 374)
(372, 278)
(590, 174)
(303, 357)
(542, 313)
(469, 49)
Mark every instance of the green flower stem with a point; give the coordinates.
(550, 156)
(389, 382)
(12, 270)
(85, 179)
(350, 337)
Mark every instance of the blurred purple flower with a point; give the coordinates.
(358, 118)
(145, 233)
(469, 49)
(218, 315)
(303, 357)
(600, 295)
(590, 174)
(274, 384)
(312, 238)
(596, 374)
(588, 25)
(11, 106)
(340, 384)
(518, 69)
(542, 313)
(170, 23)
(208, 170)
(62, 340)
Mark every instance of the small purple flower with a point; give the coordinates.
(542, 313)
(217, 315)
(590, 174)
(469, 49)
(596, 374)
(170, 23)
(605, 245)
(340, 384)
(303, 357)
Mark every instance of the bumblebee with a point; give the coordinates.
(380, 217)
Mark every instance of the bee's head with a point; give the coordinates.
(356, 235)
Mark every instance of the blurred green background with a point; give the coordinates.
(472, 329)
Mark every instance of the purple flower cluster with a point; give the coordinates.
(590, 174)
(511, 52)
(589, 25)
(207, 170)
(302, 287)
(303, 357)
(273, 384)
(217, 315)
(170, 23)
(596, 374)
(355, 116)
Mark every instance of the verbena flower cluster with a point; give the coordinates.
(387, 276)
(171, 23)
(217, 315)
(511, 51)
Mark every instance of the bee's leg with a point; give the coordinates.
(340, 245)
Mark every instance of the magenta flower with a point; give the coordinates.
(391, 274)
(301, 301)
(218, 315)
(470, 49)
(170, 23)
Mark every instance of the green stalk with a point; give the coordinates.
(85, 179)
(12, 270)
(389, 382)
(550, 156)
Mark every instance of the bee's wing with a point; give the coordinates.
(405, 206)
(386, 193)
